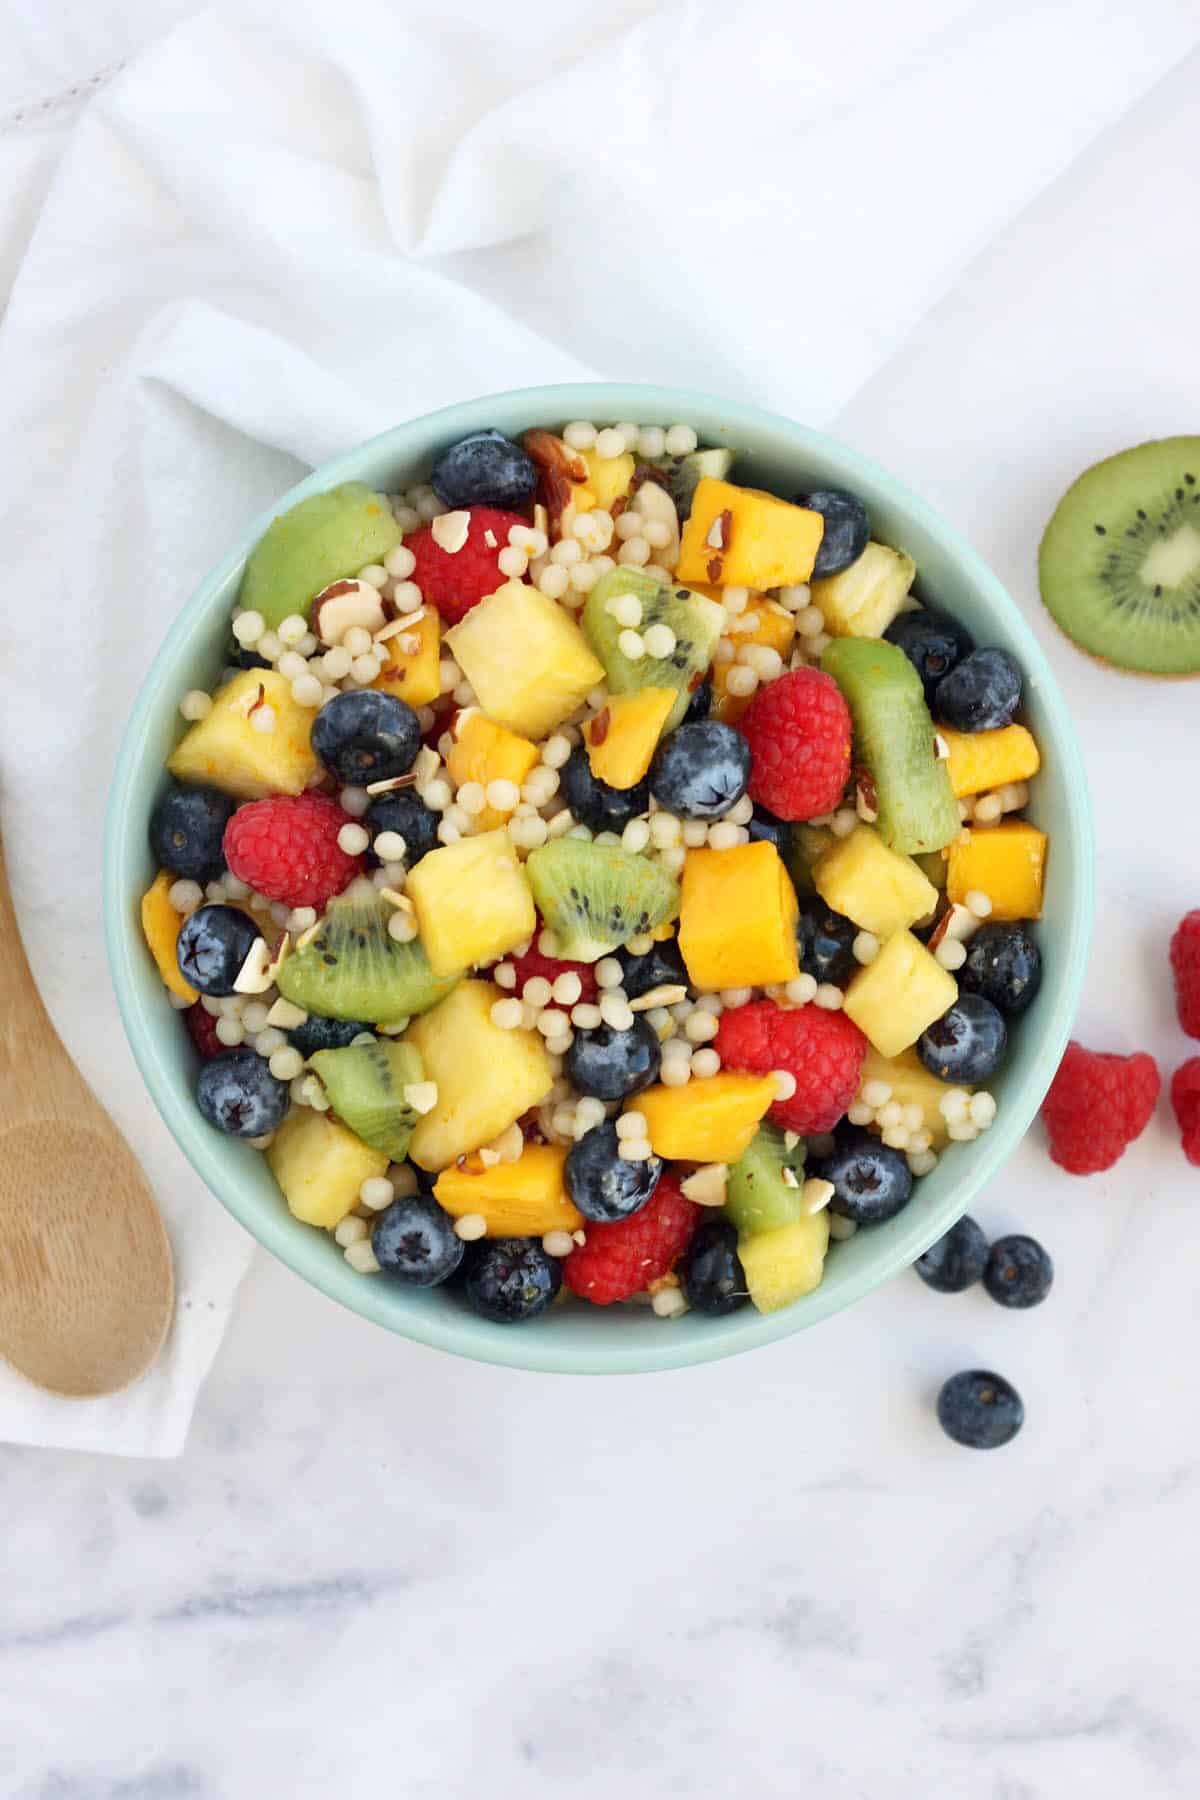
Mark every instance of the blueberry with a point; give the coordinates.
(967, 1043)
(957, 1260)
(847, 529)
(613, 1064)
(413, 1240)
(700, 704)
(933, 642)
(594, 802)
(660, 966)
(407, 813)
(602, 1185)
(981, 694)
(238, 1094)
(484, 469)
(1019, 1272)
(511, 1279)
(213, 945)
(324, 1034)
(871, 1182)
(710, 1271)
(186, 830)
(1003, 964)
(980, 1410)
(238, 657)
(701, 770)
(364, 736)
(825, 941)
(765, 828)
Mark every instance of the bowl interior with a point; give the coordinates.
(773, 453)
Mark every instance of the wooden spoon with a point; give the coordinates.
(86, 1282)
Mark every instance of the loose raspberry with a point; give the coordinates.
(550, 968)
(1185, 963)
(287, 848)
(1097, 1105)
(455, 581)
(624, 1258)
(798, 729)
(1185, 1098)
(202, 1028)
(822, 1052)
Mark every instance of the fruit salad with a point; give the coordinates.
(594, 879)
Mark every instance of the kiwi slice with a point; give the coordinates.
(685, 473)
(757, 1196)
(321, 540)
(595, 897)
(352, 968)
(366, 1083)
(1119, 564)
(894, 742)
(696, 621)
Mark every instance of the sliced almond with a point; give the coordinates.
(285, 1017)
(816, 1194)
(395, 898)
(450, 531)
(259, 970)
(422, 1096)
(707, 1186)
(344, 604)
(405, 622)
(390, 786)
(790, 1178)
(425, 767)
(655, 505)
(306, 937)
(666, 995)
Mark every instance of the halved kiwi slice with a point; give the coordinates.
(695, 620)
(365, 1083)
(595, 897)
(1120, 561)
(685, 473)
(353, 969)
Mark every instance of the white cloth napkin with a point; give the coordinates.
(282, 230)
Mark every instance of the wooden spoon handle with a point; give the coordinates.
(28, 1043)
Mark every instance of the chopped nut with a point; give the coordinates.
(389, 786)
(285, 1017)
(667, 994)
(790, 1179)
(344, 604)
(707, 1186)
(450, 531)
(422, 1096)
(259, 970)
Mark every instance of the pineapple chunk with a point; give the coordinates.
(526, 658)
(486, 1077)
(162, 925)
(785, 1264)
(775, 628)
(912, 1085)
(320, 1166)
(742, 537)
(414, 676)
(1005, 862)
(485, 752)
(472, 902)
(226, 751)
(522, 1199)
(896, 997)
(609, 479)
(737, 918)
(989, 759)
(622, 738)
(709, 1121)
(881, 890)
(864, 599)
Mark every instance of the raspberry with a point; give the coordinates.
(1185, 1098)
(798, 729)
(1185, 964)
(534, 963)
(287, 849)
(822, 1052)
(456, 581)
(202, 1028)
(624, 1258)
(1097, 1105)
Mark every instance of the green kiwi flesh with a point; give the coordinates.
(685, 473)
(696, 621)
(757, 1197)
(365, 1083)
(595, 897)
(353, 969)
(324, 538)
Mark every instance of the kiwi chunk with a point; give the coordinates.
(595, 897)
(1119, 564)
(685, 473)
(366, 1083)
(894, 742)
(696, 621)
(324, 538)
(758, 1196)
(353, 968)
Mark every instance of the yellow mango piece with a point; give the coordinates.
(737, 918)
(484, 752)
(162, 926)
(713, 1120)
(226, 750)
(1005, 862)
(320, 1165)
(989, 759)
(622, 738)
(609, 479)
(893, 999)
(742, 537)
(522, 1199)
(880, 889)
(783, 1265)
(912, 1085)
(864, 599)
(526, 658)
(775, 628)
(486, 1077)
(414, 676)
(472, 903)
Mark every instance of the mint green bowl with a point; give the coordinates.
(577, 1339)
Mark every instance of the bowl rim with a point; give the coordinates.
(447, 1328)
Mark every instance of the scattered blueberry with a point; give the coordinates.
(238, 1094)
(980, 1410)
(404, 811)
(602, 1185)
(212, 947)
(933, 642)
(186, 830)
(765, 828)
(710, 1272)
(511, 1279)
(957, 1260)
(660, 966)
(825, 941)
(364, 736)
(700, 704)
(967, 1043)
(484, 469)
(413, 1240)
(981, 694)
(614, 1064)
(701, 770)
(871, 1182)
(847, 529)
(596, 804)
(317, 1033)
(1003, 964)
(1019, 1272)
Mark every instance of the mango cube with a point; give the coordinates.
(414, 676)
(485, 752)
(472, 902)
(880, 889)
(742, 537)
(713, 1120)
(785, 1264)
(609, 479)
(737, 918)
(622, 738)
(864, 599)
(1005, 862)
(522, 1199)
(162, 925)
(227, 751)
(320, 1165)
(990, 759)
(526, 658)
(896, 997)
(775, 629)
(486, 1077)
(912, 1085)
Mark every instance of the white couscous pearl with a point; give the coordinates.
(558, 1243)
(291, 665)
(724, 836)
(635, 1150)
(364, 669)
(286, 1064)
(248, 628)
(680, 440)
(865, 947)
(978, 903)
(659, 640)
(616, 1012)
(335, 664)
(669, 1303)
(859, 1113)
(785, 1083)
(362, 1258)
(402, 927)
(470, 1227)
(471, 798)
(742, 680)
(292, 630)
(609, 443)
(185, 896)
(705, 1064)
(828, 997)
(609, 973)
(700, 1027)
(512, 562)
(876, 1094)
(951, 953)
(390, 847)
(230, 1032)
(922, 1162)
(632, 1125)
(508, 1015)
(355, 801)
(400, 562)
(651, 442)
(586, 1017)
(307, 691)
(567, 988)
(982, 1110)
(263, 718)
(634, 552)
(802, 990)
(536, 991)
(580, 434)
(553, 581)
(352, 1230)
(195, 705)
(556, 751)
(353, 839)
